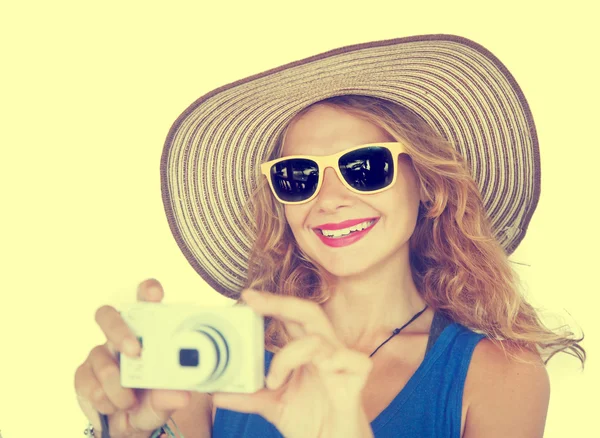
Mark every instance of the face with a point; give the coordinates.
(325, 130)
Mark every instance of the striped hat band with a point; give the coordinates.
(211, 158)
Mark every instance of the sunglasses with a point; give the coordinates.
(368, 168)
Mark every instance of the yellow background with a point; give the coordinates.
(90, 90)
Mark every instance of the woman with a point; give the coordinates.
(394, 187)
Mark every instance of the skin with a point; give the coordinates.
(373, 288)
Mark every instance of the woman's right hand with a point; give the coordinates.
(131, 412)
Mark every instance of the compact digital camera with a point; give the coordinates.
(186, 347)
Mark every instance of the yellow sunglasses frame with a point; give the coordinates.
(325, 161)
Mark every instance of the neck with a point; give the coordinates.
(365, 309)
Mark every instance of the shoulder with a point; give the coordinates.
(504, 396)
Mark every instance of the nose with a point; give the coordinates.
(333, 194)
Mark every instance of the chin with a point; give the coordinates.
(346, 268)
(361, 262)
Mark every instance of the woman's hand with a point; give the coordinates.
(131, 413)
(322, 396)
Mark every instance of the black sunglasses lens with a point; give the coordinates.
(368, 169)
(295, 180)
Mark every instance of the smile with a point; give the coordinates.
(336, 234)
(345, 233)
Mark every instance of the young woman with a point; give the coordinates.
(370, 198)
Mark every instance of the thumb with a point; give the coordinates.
(151, 291)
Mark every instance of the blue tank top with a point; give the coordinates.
(429, 405)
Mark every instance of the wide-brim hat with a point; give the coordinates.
(210, 162)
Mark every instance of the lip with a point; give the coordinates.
(349, 239)
(345, 224)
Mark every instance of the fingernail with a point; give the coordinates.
(153, 293)
(131, 346)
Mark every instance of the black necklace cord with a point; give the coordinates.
(398, 330)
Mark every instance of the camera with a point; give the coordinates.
(192, 348)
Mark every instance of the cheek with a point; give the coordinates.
(400, 204)
(295, 216)
(406, 189)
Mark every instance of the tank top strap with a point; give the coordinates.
(438, 324)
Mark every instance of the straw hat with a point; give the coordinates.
(210, 162)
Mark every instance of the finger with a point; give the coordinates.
(168, 399)
(90, 394)
(113, 351)
(106, 371)
(147, 416)
(156, 406)
(344, 375)
(263, 402)
(117, 331)
(346, 360)
(296, 353)
(85, 389)
(150, 290)
(307, 313)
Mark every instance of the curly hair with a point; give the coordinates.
(458, 266)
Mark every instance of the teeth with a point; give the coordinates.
(346, 231)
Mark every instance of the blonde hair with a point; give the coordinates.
(458, 267)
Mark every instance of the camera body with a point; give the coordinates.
(193, 348)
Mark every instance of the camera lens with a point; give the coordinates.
(194, 339)
(189, 357)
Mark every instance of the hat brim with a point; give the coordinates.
(210, 160)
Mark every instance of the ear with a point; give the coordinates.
(422, 196)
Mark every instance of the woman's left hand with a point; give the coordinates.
(322, 396)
